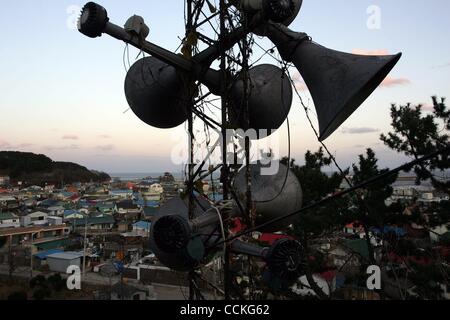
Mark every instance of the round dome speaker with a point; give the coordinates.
(269, 100)
(273, 195)
(156, 93)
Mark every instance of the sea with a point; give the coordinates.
(136, 176)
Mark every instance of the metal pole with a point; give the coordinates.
(224, 175)
(189, 30)
(84, 246)
(31, 256)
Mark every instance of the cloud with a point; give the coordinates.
(392, 82)
(61, 148)
(361, 130)
(104, 136)
(7, 146)
(376, 52)
(445, 65)
(4, 144)
(106, 148)
(70, 137)
(26, 145)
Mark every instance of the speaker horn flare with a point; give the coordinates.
(339, 82)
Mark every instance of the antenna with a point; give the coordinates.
(165, 90)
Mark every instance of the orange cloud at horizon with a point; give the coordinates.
(376, 52)
(390, 82)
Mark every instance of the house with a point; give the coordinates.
(142, 228)
(95, 224)
(128, 210)
(106, 207)
(132, 291)
(40, 235)
(437, 232)
(9, 202)
(40, 258)
(150, 212)
(9, 220)
(47, 203)
(123, 226)
(60, 262)
(121, 193)
(56, 211)
(4, 180)
(72, 214)
(55, 221)
(152, 192)
(126, 206)
(64, 195)
(354, 228)
(35, 218)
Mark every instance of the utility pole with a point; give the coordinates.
(84, 245)
(31, 255)
(225, 169)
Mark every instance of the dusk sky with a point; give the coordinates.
(62, 93)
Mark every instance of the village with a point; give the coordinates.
(104, 229)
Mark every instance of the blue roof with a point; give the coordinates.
(399, 232)
(121, 191)
(70, 212)
(48, 202)
(143, 225)
(43, 254)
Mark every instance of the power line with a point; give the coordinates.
(341, 194)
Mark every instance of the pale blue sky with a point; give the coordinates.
(62, 93)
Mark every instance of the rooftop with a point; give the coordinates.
(7, 216)
(69, 255)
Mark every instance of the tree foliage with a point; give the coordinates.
(316, 185)
(37, 169)
(372, 199)
(417, 135)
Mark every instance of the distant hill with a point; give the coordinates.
(38, 169)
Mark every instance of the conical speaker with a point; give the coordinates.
(156, 93)
(338, 82)
(269, 99)
(284, 257)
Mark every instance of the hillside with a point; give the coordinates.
(38, 169)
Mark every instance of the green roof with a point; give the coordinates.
(150, 211)
(358, 246)
(7, 216)
(95, 220)
(53, 244)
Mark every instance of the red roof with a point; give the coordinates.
(423, 261)
(75, 197)
(271, 238)
(328, 275)
(238, 226)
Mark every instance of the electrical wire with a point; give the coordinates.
(340, 194)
